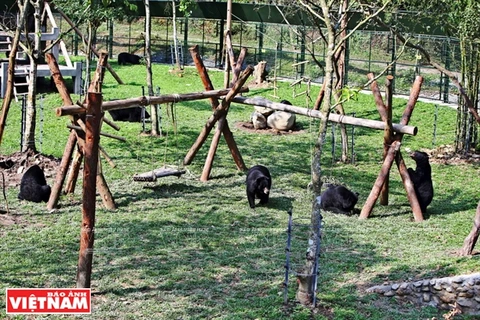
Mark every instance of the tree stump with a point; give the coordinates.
(260, 72)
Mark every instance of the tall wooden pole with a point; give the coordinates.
(92, 138)
(72, 139)
(388, 135)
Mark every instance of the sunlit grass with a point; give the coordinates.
(182, 249)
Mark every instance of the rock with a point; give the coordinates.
(263, 110)
(259, 121)
(281, 120)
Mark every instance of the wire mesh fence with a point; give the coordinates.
(289, 51)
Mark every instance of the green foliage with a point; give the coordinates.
(186, 6)
(96, 12)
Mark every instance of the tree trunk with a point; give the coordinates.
(308, 282)
(340, 68)
(148, 57)
(28, 142)
(175, 42)
(7, 100)
(472, 238)
(260, 73)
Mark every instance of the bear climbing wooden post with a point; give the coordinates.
(394, 152)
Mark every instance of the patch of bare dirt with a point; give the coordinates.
(446, 154)
(13, 166)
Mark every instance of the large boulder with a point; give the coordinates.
(281, 120)
(259, 120)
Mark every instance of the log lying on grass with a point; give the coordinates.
(338, 118)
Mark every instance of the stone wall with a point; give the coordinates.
(443, 293)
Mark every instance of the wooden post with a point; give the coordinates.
(402, 168)
(386, 115)
(387, 135)
(222, 120)
(93, 119)
(227, 134)
(62, 171)
(471, 239)
(387, 164)
(213, 148)
(72, 139)
(73, 173)
(408, 184)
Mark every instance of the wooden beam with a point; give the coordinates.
(72, 109)
(338, 118)
(377, 187)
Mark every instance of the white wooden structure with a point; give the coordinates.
(73, 70)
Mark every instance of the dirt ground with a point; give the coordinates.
(13, 166)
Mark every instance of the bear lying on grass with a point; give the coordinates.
(339, 199)
(33, 186)
(422, 179)
(258, 183)
(129, 114)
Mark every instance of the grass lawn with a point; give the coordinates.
(179, 248)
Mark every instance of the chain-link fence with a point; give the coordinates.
(289, 51)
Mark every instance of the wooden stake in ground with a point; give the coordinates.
(92, 138)
(472, 238)
(77, 138)
(227, 133)
(394, 139)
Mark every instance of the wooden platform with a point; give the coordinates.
(43, 71)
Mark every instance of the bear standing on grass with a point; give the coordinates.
(125, 58)
(258, 183)
(422, 179)
(34, 186)
(339, 199)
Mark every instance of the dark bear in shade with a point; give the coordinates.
(258, 183)
(422, 179)
(33, 186)
(125, 58)
(129, 114)
(339, 199)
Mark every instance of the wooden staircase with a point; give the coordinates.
(20, 82)
(5, 46)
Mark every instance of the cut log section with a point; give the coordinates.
(152, 176)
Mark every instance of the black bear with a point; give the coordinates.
(125, 58)
(33, 186)
(422, 179)
(129, 114)
(258, 183)
(286, 102)
(339, 199)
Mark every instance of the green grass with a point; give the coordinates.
(182, 249)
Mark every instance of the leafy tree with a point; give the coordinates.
(184, 6)
(329, 18)
(459, 18)
(93, 13)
